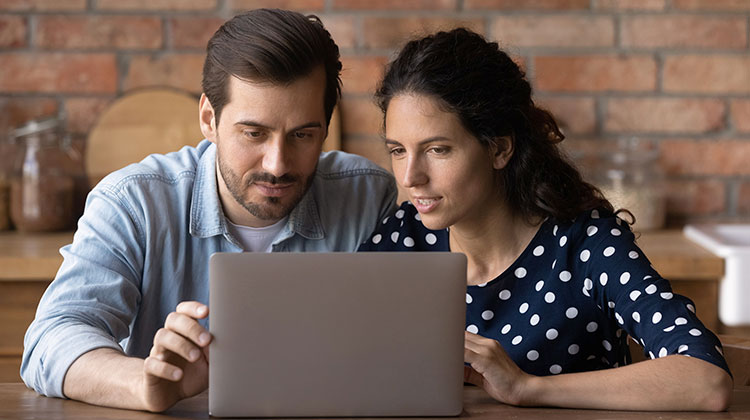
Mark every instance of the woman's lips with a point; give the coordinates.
(425, 204)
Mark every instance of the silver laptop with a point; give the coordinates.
(336, 334)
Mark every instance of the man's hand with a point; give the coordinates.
(177, 366)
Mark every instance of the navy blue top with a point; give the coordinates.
(568, 303)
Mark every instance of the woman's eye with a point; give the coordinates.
(439, 150)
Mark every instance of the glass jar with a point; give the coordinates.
(42, 185)
(630, 177)
(6, 166)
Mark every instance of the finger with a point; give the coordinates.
(187, 327)
(168, 340)
(193, 309)
(161, 369)
(472, 376)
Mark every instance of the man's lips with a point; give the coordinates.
(273, 190)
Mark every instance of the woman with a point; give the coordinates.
(555, 279)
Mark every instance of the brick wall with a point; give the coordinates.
(675, 71)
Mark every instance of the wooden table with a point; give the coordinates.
(18, 402)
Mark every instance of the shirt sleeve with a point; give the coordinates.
(621, 280)
(94, 296)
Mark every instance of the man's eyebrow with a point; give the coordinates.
(251, 123)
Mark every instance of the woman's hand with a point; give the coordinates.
(493, 370)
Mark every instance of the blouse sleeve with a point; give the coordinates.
(621, 280)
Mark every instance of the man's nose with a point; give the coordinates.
(275, 157)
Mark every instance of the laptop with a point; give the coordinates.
(336, 334)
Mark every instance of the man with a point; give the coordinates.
(139, 259)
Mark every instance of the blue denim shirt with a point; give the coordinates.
(143, 244)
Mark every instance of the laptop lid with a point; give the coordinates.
(336, 334)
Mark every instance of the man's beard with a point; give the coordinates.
(271, 208)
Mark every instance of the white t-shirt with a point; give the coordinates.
(257, 239)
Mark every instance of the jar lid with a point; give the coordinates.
(36, 126)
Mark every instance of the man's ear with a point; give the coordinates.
(207, 119)
(501, 150)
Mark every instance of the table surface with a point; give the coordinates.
(37, 257)
(18, 402)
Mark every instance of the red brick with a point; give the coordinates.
(707, 73)
(362, 74)
(395, 4)
(14, 112)
(98, 32)
(12, 31)
(741, 115)
(302, 5)
(182, 71)
(82, 113)
(711, 4)
(630, 4)
(342, 29)
(595, 73)
(526, 4)
(42, 5)
(394, 32)
(554, 31)
(695, 198)
(664, 115)
(175, 5)
(697, 157)
(193, 31)
(371, 147)
(360, 115)
(743, 200)
(683, 31)
(573, 115)
(58, 73)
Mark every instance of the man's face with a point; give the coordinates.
(268, 141)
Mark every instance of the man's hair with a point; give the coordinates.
(274, 46)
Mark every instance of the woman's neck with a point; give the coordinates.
(492, 238)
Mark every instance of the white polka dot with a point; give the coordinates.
(615, 232)
(609, 251)
(549, 297)
(607, 345)
(408, 242)
(488, 315)
(680, 321)
(636, 316)
(683, 348)
(504, 295)
(603, 279)
(481, 284)
(401, 224)
(506, 329)
(539, 250)
(591, 230)
(651, 355)
(385, 220)
(633, 255)
(573, 349)
(651, 289)
(554, 263)
(400, 214)
(418, 217)
(585, 255)
(592, 326)
(571, 312)
(563, 240)
(430, 238)
(469, 299)
(666, 295)
(517, 339)
(646, 277)
(551, 334)
(555, 369)
(520, 272)
(721, 352)
(534, 319)
(662, 352)
(554, 231)
(585, 292)
(565, 276)
(695, 332)
(624, 278)
(588, 284)
(690, 307)
(523, 308)
(634, 295)
(595, 214)
(394, 237)
(532, 355)
(669, 329)
(376, 239)
(619, 318)
(539, 285)
(656, 318)
(611, 305)
(472, 329)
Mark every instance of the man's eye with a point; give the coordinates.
(253, 134)
(301, 134)
(396, 151)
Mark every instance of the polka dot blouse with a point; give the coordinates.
(569, 301)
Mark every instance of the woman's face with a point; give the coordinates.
(447, 174)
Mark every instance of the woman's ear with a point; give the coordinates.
(207, 119)
(501, 150)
